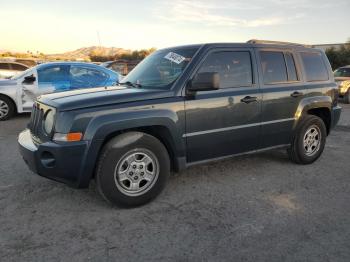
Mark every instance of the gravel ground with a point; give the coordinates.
(254, 208)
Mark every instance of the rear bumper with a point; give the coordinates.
(60, 162)
(336, 111)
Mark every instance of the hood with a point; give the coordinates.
(7, 82)
(91, 97)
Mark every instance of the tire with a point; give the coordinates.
(347, 97)
(7, 108)
(133, 169)
(305, 150)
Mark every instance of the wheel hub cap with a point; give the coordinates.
(136, 172)
(4, 109)
(312, 140)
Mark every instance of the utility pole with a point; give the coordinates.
(98, 38)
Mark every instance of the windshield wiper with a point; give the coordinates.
(128, 83)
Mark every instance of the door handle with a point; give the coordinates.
(249, 99)
(296, 94)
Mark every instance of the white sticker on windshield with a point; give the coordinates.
(176, 58)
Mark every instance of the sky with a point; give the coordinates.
(52, 26)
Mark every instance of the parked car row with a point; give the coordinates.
(18, 93)
(121, 66)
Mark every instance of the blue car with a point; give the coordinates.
(18, 93)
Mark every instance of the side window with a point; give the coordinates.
(4, 66)
(52, 74)
(314, 66)
(234, 68)
(292, 72)
(18, 67)
(56, 76)
(82, 77)
(273, 67)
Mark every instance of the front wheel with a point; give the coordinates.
(133, 169)
(7, 108)
(308, 140)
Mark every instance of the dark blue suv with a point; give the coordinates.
(183, 106)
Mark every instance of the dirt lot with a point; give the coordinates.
(253, 208)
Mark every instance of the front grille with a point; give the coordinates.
(36, 122)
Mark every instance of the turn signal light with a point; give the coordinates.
(70, 137)
(74, 137)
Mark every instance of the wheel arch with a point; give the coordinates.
(162, 128)
(319, 106)
(11, 99)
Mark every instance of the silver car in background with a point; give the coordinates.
(9, 69)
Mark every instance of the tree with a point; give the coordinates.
(340, 57)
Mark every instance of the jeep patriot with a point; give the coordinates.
(183, 106)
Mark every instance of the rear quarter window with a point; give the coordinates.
(315, 68)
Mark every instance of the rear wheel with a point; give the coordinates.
(308, 141)
(7, 108)
(133, 169)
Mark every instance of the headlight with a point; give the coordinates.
(49, 121)
(344, 86)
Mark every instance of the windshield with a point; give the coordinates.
(161, 69)
(342, 72)
(18, 76)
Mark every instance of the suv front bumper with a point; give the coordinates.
(60, 162)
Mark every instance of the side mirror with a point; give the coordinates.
(204, 82)
(29, 79)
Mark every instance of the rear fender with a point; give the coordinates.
(309, 103)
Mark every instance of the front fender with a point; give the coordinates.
(103, 126)
(100, 127)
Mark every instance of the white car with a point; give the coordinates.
(9, 69)
(18, 93)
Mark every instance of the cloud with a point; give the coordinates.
(212, 14)
(239, 14)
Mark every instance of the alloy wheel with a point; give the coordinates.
(136, 172)
(312, 140)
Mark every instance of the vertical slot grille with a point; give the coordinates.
(36, 120)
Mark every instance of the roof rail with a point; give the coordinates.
(257, 41)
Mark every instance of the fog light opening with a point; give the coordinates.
(48, 159)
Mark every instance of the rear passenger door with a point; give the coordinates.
(282, 89)
(226, 121)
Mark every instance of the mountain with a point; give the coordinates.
(85, 52)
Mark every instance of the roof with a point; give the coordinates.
(13, 62)
(78, 64)
(251, 43)
(67, 63)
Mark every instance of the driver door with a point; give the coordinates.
(226, 121)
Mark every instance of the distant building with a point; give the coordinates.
(328, 46)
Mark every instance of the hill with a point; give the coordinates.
(84, 53)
